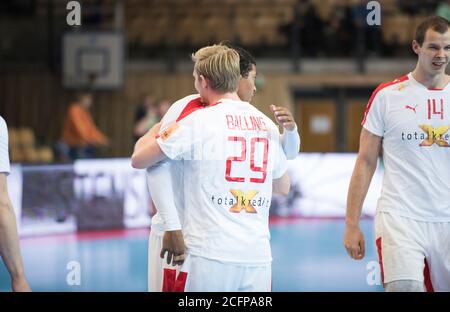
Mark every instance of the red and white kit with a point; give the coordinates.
(413, 211)
(156, 177)
(231, 152)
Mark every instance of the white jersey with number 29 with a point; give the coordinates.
(231, 153)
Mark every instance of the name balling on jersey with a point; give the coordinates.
(246, 123)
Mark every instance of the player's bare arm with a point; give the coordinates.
(9, 240)
(366, 163)
(282, 185)
(147, 151)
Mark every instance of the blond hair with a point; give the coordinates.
(219, 64)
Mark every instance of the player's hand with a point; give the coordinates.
(20, 284)
(283, 117)
(173, 244)
(354, 242)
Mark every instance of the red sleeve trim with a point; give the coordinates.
(378, 89)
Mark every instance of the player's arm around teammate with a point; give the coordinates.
(290, 141)
(290, 138)
(366, 163)
(146, 151)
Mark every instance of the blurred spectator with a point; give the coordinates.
(310, 28)
(146, 116)
(163, 107)
(338, 29)
(443, 10)
(80, 135)
(410, 7)
(415, 7)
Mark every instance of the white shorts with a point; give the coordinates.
(413, 250)
(154, 262)
(198, 274)
(156, 265)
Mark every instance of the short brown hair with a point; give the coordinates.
(220, 65)
(436, 23)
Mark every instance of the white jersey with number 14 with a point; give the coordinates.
(414, 123)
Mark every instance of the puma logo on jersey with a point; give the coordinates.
(435, 135)
(243, 201)
(411, 108)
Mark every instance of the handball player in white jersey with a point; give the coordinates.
(227, 197)
(408, 120)
(164, 177)
(9, 239)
